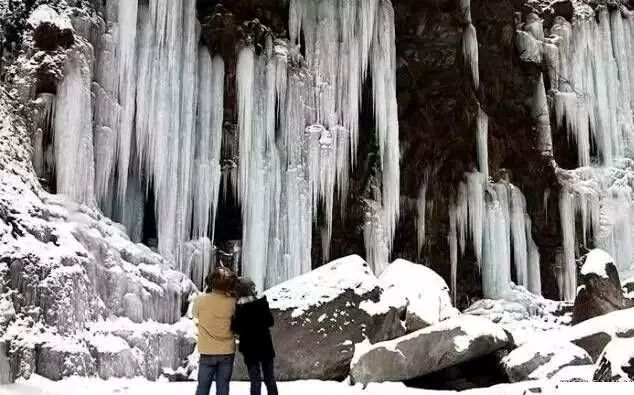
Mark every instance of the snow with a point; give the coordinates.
(620, 354)
(108, 344)
(323, 285)
(581, 373)
(46, 14)
(553, 353)
(596, 263)
(426, 293)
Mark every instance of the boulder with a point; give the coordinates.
(426, 294)
(56, 361)
(594, 334)
(616, 362)
(541, 360)
(113, 357)
(6, 373)
(628, 288)
(449, 343)
(600, 291)
(320, 315)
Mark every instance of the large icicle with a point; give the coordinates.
(470, 53)
(73, 141)
(126, 54)
(207, 172)
(482, 136)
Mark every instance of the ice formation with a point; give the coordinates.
(491, 218)
(163, 140)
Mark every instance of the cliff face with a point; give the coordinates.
(438, 114)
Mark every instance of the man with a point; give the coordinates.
(214, 310)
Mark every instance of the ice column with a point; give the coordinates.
(74, 157)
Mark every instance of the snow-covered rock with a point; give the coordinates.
(320, 315)
(540, 360)
(616, 362)
(50, 29)
(114, 357)
(523, 314)
(600, 287)
(427, 296)
(594, 334)
(65, 266)
(448, 343)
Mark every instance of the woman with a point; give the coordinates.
(214, 310)
(251, 324)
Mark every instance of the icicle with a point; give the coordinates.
(470, 53)
(375, 239)
(313, 134)
(534, 26)
(207, 173)
(421, 211)
(518, 236)
(44, 133)
(568, 289)
(73, 142)
(327, 184)
(342, 165)
(482, 142)
(541, 117)
(245, 70)
(453, 253)
(476, 206)
(126, 54)
(496, 276)
(534, 269)
(386, 113)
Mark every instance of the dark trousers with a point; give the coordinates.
(218, 367)
(257, 370)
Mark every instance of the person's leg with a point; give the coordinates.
(255, 376)
(224, 371)
(206, 372)
(269, 377)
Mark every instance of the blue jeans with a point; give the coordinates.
(219, 367)
(256, 371)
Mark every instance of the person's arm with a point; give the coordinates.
(269, 320)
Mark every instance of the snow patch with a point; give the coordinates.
(596, 262)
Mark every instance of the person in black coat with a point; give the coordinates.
(252, 321)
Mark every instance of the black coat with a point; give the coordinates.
(251, 322)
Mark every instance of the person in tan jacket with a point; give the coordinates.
(214, 310)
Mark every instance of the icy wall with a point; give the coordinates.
(314, 129)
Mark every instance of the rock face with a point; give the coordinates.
(446, 344)
(616, 363)
(65, 267)
(594, 334)
(425, 292)
(541, 360)
(600, 287)
(321, 315)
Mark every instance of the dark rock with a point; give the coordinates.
(56, 363)
(616, 363)
(481, 372)
(321, 315)
(600, 291)
(428, 350)
(7, 375)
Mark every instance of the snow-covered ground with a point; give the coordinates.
(38, 385)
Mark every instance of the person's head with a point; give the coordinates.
(221, 280)
(245, 287)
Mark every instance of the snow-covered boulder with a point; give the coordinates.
(50, 29)
(63, 358)
(594, 334)
(113, 357)
(320, 315)
(600, 288)
(540, 360)
(628, 289)
(427, 296)
(616, 362)
(448, 343)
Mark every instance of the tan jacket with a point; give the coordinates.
(214, 312)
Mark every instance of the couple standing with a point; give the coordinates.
(229, 309)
